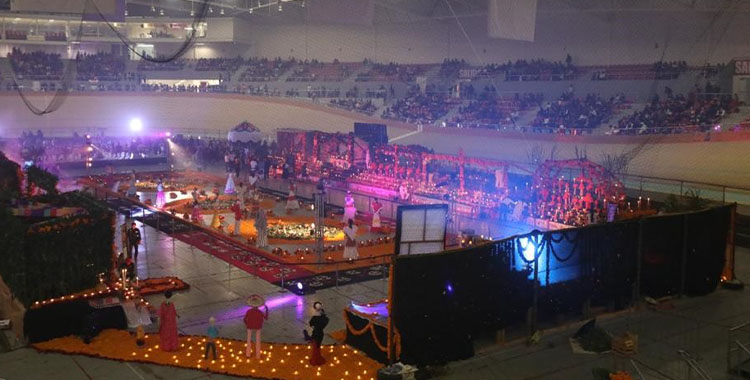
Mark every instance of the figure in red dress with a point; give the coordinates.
(168, 324)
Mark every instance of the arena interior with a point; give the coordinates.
(489, 189)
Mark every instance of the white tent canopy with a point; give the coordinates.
(244, 132)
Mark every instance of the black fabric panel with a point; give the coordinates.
(71, 318)
(364, 341)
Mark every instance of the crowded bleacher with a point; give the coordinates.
(35, 65)
(466, 98)
(100, 67)
(264, 70)
(678, 113)
(571, 112)
(421, 107)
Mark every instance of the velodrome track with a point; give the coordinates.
(722, 158)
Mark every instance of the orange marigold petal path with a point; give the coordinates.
(279, 360)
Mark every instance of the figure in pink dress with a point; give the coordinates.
(168, 324)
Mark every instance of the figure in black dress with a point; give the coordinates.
(318, 322)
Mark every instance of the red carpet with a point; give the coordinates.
(236, 255)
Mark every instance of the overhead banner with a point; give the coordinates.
(356, 12)
(113, 10)
(512, 19)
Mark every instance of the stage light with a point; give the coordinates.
(168, 134)
(299, 286)
(528, 247)
(449, 289)
(136, 125)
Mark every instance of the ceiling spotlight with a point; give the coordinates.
(303, 3)
(280, 7)
(250, 11)
(222, 11)
(161, 12)
(210, 10)
(126, 12)
(192, 13)
(153, 8)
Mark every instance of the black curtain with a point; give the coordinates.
(442, 301)
(71, 318)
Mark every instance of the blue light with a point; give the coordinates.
(449, 289)
(528, 247)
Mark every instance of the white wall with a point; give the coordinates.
(696, 159)
(590, 37)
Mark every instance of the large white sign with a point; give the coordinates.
(421, 228)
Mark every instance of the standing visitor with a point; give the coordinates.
(124, 227)
(131, 189)
(252, 183)
(134, 239)
(168, 324)
(254, 323)
(237, 209)
(350, 246)
(318, 322)
(261, 226)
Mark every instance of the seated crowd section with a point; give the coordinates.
(448, 98)
(571, 112)
(420, 107)
(677, 114)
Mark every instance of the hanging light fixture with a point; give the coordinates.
(250, 11)
(222, 11)
(210, 10)
(192, 9)
(303, 3)
(153, 8)
(161, 12)
(280, 6)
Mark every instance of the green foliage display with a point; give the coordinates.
(57, 256)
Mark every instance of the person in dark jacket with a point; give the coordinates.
(318, 322)
(134, 239)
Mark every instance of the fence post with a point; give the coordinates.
(639, 256)
(683, 264)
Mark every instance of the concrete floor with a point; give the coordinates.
(698, 325)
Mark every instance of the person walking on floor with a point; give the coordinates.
(134, 239)
(254, 323)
